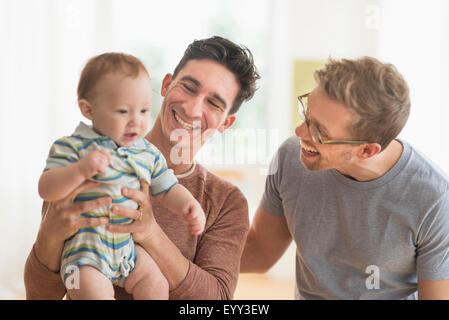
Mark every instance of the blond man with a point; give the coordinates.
(368, 213)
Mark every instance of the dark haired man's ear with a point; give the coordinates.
(166, 83)
(368, 150)
(227, 123)
(86, 108)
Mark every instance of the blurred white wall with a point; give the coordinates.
(417, 42)
(44, 44)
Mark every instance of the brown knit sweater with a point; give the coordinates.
(214, 256)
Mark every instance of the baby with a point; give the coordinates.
(114, 92)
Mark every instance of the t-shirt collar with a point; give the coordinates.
(85, 131)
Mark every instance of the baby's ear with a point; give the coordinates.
(86, 108)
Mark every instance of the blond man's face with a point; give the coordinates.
(332, 119)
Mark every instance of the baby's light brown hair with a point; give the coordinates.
(103, 64)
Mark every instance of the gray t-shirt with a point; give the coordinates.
(362, 240)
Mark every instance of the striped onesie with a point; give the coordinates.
(111, 253)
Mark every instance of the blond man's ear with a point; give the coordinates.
(86, 108)
(368, 150)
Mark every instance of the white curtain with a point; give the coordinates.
(41, 43)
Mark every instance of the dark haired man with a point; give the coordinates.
(214, 77)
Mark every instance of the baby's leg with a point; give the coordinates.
(93, 285)
(146, 281)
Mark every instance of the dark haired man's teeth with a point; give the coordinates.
(184, 124)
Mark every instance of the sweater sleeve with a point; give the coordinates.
(214, 272)
(40, 282)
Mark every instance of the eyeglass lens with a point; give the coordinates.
(302, 110)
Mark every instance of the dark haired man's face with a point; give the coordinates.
(197, 102)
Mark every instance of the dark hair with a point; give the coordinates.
(110, 62)
(237, 59)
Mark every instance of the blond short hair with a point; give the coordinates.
(376, 92)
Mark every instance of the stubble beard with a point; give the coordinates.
(312, 166)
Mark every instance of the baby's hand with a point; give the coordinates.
(95, 162)
(195, 218)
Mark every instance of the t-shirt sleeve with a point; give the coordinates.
(433, 243)
(62, 153)
(271, 200)
(162, 178)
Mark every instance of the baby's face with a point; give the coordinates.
(121, 107)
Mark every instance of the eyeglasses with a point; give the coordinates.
(313, 131)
